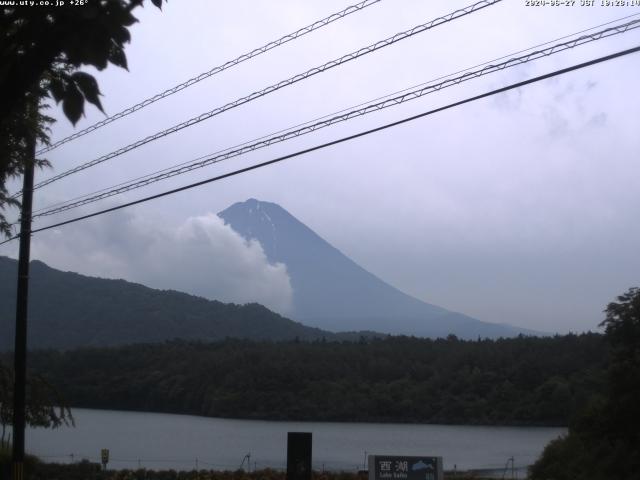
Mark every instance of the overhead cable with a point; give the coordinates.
(343, 139)
(215, 70)
(406, 96)
(277, 86)
(323, 117)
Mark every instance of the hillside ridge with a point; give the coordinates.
(69, 310)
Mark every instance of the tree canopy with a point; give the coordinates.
(525, 380)
(44, 408)
(41, 52)
(604, 440)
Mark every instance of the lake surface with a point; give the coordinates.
(182, 442)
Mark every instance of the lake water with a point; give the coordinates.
(182, 442)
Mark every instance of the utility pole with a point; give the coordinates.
(20, 350)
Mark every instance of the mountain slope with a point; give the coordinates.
(332, 292)
(68, 310)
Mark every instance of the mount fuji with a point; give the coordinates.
(332, 292)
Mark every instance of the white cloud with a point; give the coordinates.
(203, 256)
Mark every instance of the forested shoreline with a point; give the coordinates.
(518, 381)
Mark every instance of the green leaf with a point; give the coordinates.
(117, 57)
(56, 87)
(121, 35)
(124, 16)
(90, 12)
(73, 103)
(89, 88)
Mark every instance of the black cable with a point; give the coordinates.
(407, 89)
(345, 139)
(275, 87)
(215, 70)
(231, 152)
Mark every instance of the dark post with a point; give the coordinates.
(299, 456)
(20, 353)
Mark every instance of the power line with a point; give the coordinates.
(277, 86)
(407, 89)
(215, 70)
(378, 98)
(423, 90)
(477, 65)
(343, 139)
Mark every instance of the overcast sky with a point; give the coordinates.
(521, 208)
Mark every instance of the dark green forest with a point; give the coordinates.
(603, 441)
(524, 380)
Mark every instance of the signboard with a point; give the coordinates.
(104, 456)
(299, 456)
(393, 467)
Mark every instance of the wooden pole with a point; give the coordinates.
(20, 351)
